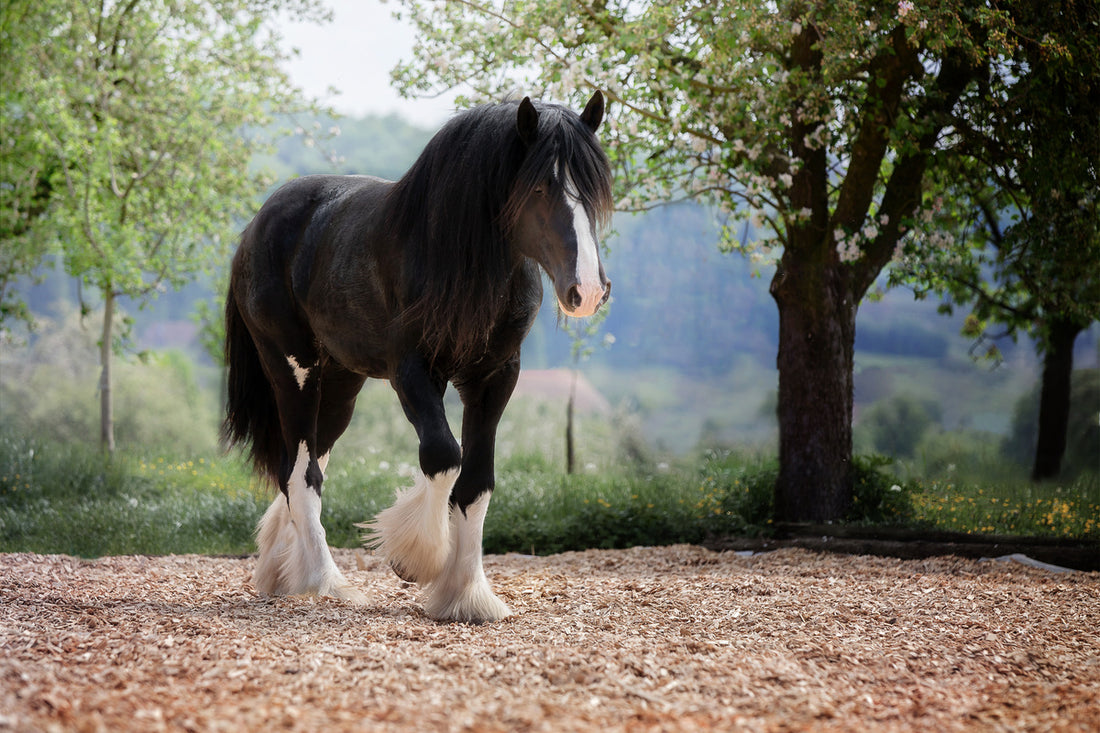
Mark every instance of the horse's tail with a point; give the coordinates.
(251, 415)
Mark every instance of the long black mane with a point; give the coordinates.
(455, 207)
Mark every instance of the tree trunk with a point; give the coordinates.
(106, 406)
(1054, 398)
(816, 345)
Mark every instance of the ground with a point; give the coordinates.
(675, 638)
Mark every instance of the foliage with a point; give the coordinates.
(878, 498)
(126, 132)
(897, 425)
(713, 101)
(27, 168)
(1022, 228)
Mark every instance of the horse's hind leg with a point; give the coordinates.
(294, 554)
(414, 534)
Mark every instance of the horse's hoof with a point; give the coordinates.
(402, 573)
(348, 592)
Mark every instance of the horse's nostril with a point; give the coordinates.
(573, 298)
(606, 293)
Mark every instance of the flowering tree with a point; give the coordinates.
(127, 125)
(1026, 210)
(817, 120)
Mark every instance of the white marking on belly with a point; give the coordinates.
(301, 374)
(588, 259)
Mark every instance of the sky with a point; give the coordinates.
(355, 53)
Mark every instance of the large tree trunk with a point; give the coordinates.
(816, 346)
(106, 405)
(1054, 398)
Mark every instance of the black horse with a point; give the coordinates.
(427, 280)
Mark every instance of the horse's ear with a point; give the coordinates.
(527, 121)
(593, 111)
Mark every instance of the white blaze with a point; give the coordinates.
(588, 260)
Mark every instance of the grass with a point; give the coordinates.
(66, 498)
(1067, 511)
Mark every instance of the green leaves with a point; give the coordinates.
(136, 111)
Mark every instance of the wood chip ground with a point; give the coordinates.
(674, 638)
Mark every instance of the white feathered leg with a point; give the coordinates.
(413, 534)
(462, 592)
(294, 556)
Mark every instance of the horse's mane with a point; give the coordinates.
(456, 205)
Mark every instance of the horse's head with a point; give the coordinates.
(562, 198)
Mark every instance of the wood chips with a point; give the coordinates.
(673, 638)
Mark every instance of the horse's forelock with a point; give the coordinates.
(564, 145)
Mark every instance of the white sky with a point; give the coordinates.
(355, 54)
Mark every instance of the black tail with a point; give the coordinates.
(251, 415)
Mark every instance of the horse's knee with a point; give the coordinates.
(439, 454)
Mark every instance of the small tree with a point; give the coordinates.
(146, 111)
(818, 120)
(583, 333)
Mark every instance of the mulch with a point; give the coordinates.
(672, 638)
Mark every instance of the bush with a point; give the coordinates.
(896, 426)
(877, 496)
(971, 454)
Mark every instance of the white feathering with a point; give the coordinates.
(414, 534)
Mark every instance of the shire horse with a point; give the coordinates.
(427, 280)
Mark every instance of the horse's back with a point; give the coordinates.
(300, 217)
(300, 210)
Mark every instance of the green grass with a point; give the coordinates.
(1013, 508)
(66, 498)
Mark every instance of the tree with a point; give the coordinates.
(137, 118)
(25, 168)
(1026, 214)
(817, 120)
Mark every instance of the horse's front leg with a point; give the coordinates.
(461, 592)
(414, 534)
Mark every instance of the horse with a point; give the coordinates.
(429, 280)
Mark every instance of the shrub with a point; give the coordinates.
(897, 425)
(877, 496)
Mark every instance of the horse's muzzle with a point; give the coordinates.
(583, 303)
